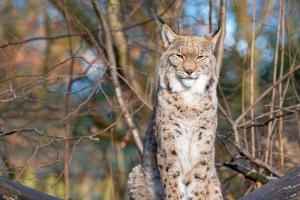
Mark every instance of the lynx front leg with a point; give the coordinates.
(213, 191)
(197, 181)
(170, 174)
(203, 182)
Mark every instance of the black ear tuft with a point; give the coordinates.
(219, 26)
(160, 19)
(213, 37)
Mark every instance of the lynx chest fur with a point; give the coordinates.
(184, 129)
(178, 159)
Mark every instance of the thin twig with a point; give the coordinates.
(133, 90)
(70, 114)
(32, 157)
(58, 138)
(271, 125)
(210, 15)
(67, 132)
(267, 122)
(49, 70)
(294, 108)
(232, 123)
(281, 95)
(254, 160)
(243, 151)
(152, 19)
(266, 92)
(46, 38)
(111, 171)
(252, 74)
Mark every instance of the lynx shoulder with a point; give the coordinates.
(178, 158)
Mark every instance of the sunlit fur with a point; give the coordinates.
(178, 158)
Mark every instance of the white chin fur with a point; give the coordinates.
(194, 86)
(200, 85)
(188, 82)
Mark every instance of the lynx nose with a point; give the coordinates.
(189, 71)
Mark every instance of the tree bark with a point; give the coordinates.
(249, 173)
(16, 191)
(286, 187)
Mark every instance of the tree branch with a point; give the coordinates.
(243, 151)
(265, 93)
(267, 122)
(254, 160)
(220, 49)
(248, 173)
(113, 66)
(293, 108)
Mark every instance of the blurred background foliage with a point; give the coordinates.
(66, 132)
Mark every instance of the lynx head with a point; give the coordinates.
(188, 63)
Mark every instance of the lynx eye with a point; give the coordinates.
(180, 56)
(176, 59)
(200, 57)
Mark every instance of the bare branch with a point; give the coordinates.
(49, 70)
(293, 108)
(267, 122)
(220, 49)
(266, 92)
(256, 161)
(58, 138)
(46, 38)
(248, 173)
(232, 123)
(244, 152)
(133, 90)
(252, 75)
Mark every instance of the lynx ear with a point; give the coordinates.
(213, 37)
(168, 36)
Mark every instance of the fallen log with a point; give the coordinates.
(16, 191)
(287, 187)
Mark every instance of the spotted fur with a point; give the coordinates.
(178, 158)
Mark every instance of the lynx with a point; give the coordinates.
(178, 158)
